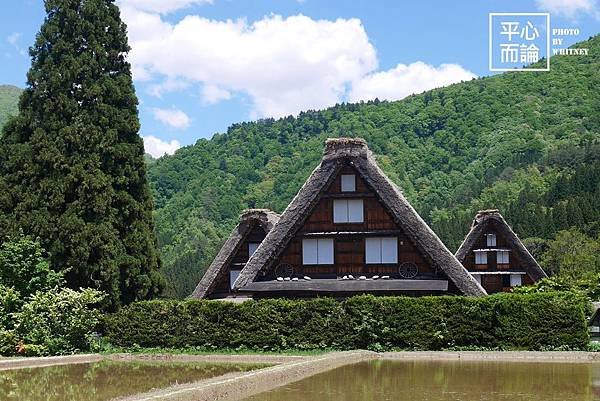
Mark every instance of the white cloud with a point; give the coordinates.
(13, 38)
(404, 80)
(568, 8)
(161, 6)
(284, 65)
(213, 94)
(157, 147)
(172, 117)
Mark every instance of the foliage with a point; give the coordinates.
(587, 285)
(25, 268)
(9, 98)
(10, 302)
(523, 142)
(572, 254)
(58, 322)
(504, 321)
(72, 169)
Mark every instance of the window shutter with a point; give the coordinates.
(309, 251)
(252, 247)
(233, 275)
(325, 251)
(355, 211)
(372, 250)
(348, 183)
(389, 250)
(340, 211)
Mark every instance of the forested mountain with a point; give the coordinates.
(527, 143)
(9, 99)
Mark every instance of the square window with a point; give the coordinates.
(381, 250)
(491, 239)
(348, 211)
(502, 257)
(317, 251)
(515, 280)
(348, 183)
(481, 258)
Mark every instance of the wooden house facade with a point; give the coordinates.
(348, 231)
(495, 256)
(243, 241)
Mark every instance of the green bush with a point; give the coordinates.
(503, 321)
(57, 322)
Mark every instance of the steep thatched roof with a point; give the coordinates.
(248, 220)
(481, 223)
(337, 153)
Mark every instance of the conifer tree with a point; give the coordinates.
(72, 171)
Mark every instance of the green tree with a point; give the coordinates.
(572, 254)
(72, 169)
(25, 268)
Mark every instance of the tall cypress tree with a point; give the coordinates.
(72, 168)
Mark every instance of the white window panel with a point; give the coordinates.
(233, 275)
(481, 258)
(317, 251)
(340, 211)
(389, 250)
(252, 246)
(372, 250)
(310, 251)
(381, 250)
(325, 251)
(355, 210)
(491, 239)
(515, 280)
(502, 257)
(348, 183)
(348, 211)
(477, 277)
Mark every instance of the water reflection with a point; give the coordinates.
(100, 381)
(446, 381)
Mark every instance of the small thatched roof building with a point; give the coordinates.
(242, 242)
(495, 256)
(350, 221)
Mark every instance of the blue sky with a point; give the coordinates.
(201, 65)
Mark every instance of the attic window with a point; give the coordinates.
(252, 247)
(481, 258)
(348, 211)
(491, 239)
(348, 183)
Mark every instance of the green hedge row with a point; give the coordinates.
(504, 321)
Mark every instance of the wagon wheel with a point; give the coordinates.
(408, 270)
(284, 270)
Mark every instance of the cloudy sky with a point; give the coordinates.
(201, 65)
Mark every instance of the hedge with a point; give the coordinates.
(502, 321)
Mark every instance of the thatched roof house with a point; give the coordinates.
(495, 256)
(350, 230)
(242, 243)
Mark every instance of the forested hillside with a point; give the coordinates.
(527, 143)
(9, 98)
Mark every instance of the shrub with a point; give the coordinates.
(58, 322)
(503, 321)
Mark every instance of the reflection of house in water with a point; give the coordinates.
(495, 256)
